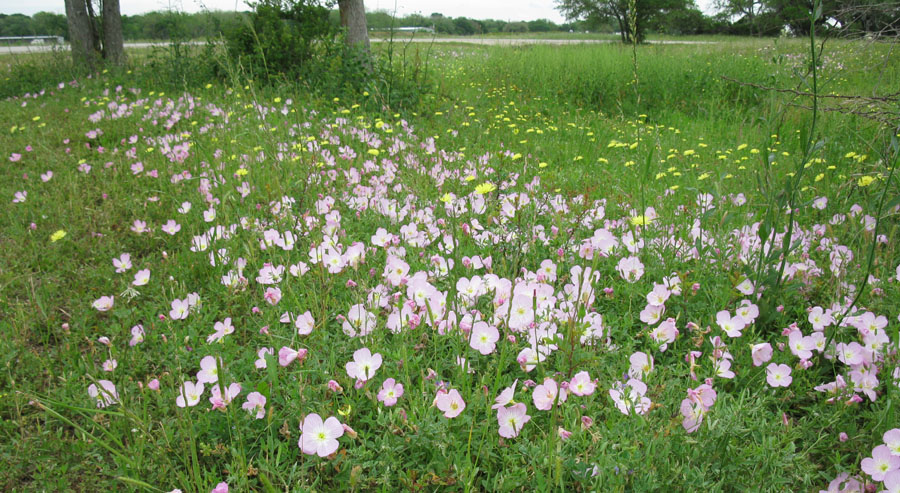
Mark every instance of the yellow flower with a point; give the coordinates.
(446, 198)
(241, 171)
(865, 181)
(486, 187)
(57, 236)
(373, 152)
(641, 220)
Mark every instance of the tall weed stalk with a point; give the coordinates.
(773, 258)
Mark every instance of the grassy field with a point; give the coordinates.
(579, 268)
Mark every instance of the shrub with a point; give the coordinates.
(289, 38)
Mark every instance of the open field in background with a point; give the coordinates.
(576, 283)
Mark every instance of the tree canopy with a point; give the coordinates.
(629, 15)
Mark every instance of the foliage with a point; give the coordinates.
(845, 17)
(293, 42)
(282, 37)
(623, 12)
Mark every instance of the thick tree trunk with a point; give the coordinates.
(353, 18)
(81, 36)
(113, 42)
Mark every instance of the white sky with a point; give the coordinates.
(507, 10)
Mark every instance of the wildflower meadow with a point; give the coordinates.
(573, 268)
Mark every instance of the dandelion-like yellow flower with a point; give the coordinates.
(242, 171)
(57, 236)
(446, 198)
(865, 181)
(486, 187)
(641, 220)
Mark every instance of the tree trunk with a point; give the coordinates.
(113, 43)
(353, 18)
(81, 36)
(95, 26)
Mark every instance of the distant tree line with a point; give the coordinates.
(152, 25)
(737, 17)
(166, 25)
(849, 17)
(382, 20)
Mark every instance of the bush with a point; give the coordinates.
(282, 38)
(294, 42)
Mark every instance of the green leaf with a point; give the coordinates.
(267, 484)
(263, 388)
(817, 12)
(137, 482)
(894, 202)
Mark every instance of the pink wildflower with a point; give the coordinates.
(778, 375)
(320, 437)
(512, 419)
(390, 392)
(451, 403)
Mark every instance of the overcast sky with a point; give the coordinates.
(507, 10)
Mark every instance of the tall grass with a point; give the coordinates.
(678, 79)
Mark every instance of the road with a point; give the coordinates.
(12, 50)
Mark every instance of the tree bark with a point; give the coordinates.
(353, 18)
(113, 42)
(81, 36)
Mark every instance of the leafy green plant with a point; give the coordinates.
(282, 39)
